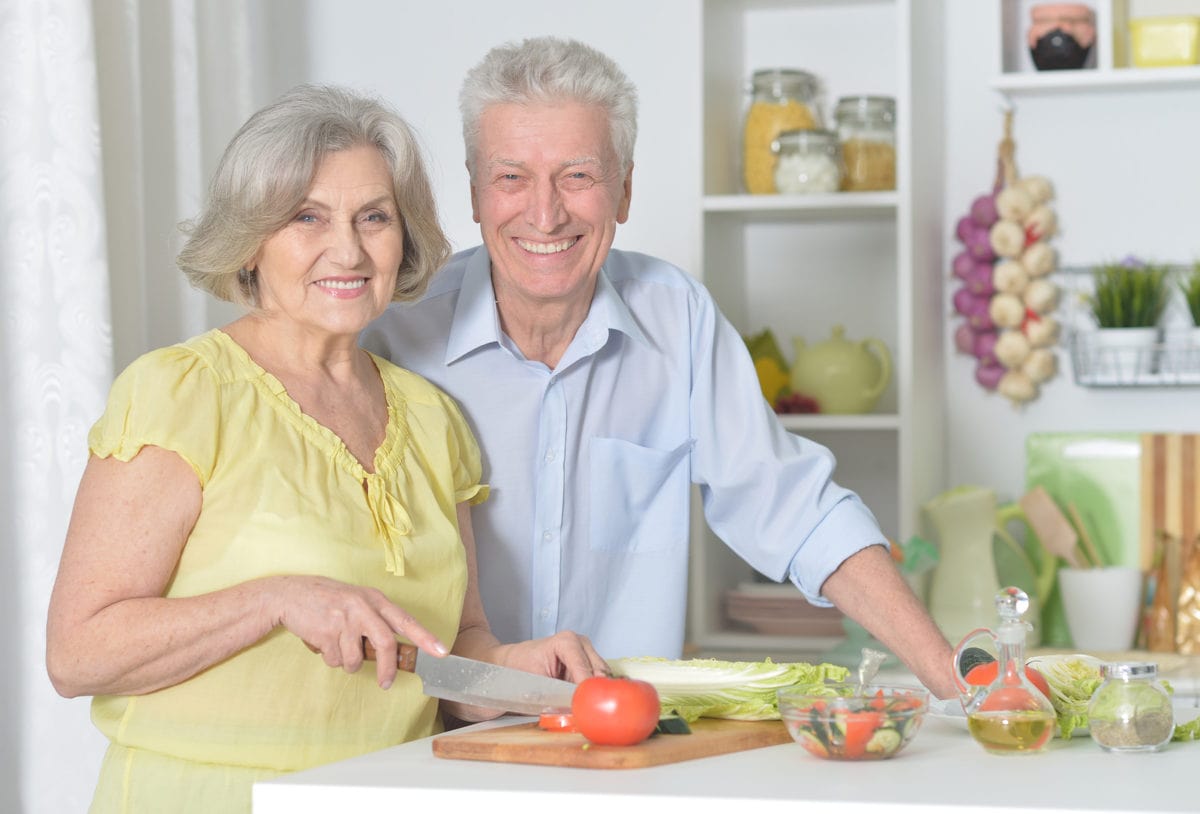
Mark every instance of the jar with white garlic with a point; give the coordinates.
(809, 161)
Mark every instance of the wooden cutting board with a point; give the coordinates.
(526, 743)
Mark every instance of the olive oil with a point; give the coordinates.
(1010, 716)
(1008, 731)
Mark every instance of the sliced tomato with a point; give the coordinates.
(859, 727)
(904, 704)
(557, 722)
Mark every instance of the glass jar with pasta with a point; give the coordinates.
(781, 99)
(866, 127)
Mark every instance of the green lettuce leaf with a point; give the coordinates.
(1072, 680)
(1189, 731)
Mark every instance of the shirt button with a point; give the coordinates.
(545, 614)
(549, 456)
(547, 536)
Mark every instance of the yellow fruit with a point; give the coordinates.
(763, 345)
(771, 378)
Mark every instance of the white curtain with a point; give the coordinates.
(112, 114)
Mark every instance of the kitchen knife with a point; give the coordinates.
(454, 678)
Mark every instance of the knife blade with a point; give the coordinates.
(467, 681)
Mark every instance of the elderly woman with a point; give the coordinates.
(269, 490)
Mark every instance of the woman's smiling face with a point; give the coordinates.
(333, 267)
(548, 192)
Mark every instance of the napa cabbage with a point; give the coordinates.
(1073, 680)
(710, 688)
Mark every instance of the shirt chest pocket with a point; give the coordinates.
(639, 496)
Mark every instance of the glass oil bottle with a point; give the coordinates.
(1010, 715)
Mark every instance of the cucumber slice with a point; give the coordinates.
(672, 725)
(884, 742)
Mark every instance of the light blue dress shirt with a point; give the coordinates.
(591, 464)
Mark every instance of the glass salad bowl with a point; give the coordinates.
(848, 722)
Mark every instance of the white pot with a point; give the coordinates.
(1123, 355)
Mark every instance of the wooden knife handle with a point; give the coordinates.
(406, 655)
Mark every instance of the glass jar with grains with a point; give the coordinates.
(1130, 711)
(809, 161)
(866, 126)
(781, 99)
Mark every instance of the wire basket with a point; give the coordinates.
(1168, 356)
(1169, 359)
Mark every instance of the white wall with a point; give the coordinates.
(1127, 177)
(416, 54)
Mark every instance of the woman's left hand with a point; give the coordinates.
(565, 655)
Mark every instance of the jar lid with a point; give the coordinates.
(1129, 669)
(802, 139)
(884, 106)
(785, 80)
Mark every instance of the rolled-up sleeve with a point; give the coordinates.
(768, 494)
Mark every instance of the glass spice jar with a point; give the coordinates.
(780, 99)
(866, 126)
(808, 161)
(1130, 711)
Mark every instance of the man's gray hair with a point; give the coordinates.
(543, 70)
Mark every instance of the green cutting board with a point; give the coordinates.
(1100, 473)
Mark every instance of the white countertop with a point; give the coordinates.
(942, 769)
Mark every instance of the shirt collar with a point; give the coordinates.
(476, 322)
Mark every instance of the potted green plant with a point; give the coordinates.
(1128, 302)
(1189, 286)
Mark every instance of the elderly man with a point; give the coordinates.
(602, 384)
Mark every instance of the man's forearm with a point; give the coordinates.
(869, 589)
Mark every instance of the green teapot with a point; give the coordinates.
(843, 376)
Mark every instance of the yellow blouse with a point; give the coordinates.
(283, 495)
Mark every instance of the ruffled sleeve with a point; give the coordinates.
(167, 398)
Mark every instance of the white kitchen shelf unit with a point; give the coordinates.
(802, 422)
(800, 264)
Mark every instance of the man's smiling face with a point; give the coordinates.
(548, 192)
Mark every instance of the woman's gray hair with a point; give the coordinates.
(550, 70)
(268, 169)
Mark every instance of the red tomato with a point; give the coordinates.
(615, 711)
(982, 675)
(557, 722)
(859, 727)
(1009, 698)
